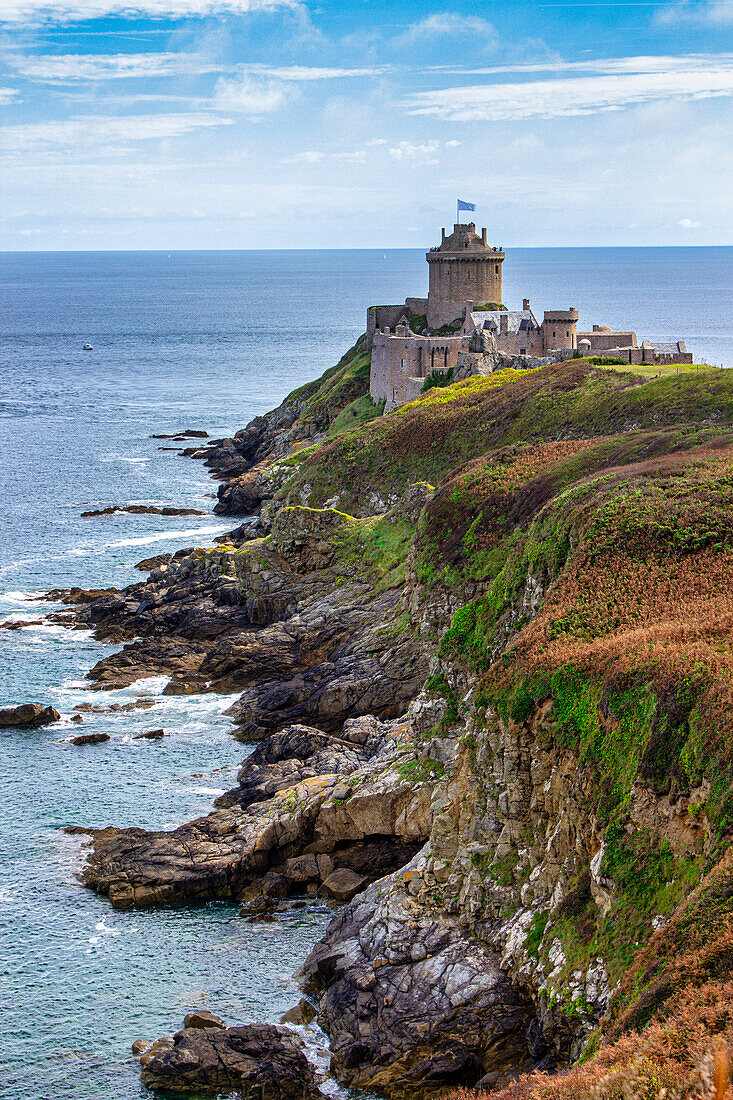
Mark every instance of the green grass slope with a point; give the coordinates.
(428, 438)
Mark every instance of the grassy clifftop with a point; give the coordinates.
(581, 532)
(339, 399)
(430, 437)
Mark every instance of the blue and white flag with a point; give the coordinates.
(466, 205)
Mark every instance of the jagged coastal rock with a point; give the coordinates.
(482, 647)
(28, 716)
(257, 1060)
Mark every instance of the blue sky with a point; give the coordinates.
(276, 123)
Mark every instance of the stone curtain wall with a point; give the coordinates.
(401, 363)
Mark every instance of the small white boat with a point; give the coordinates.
(87, 347)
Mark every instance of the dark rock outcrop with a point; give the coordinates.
(28, 716)
(289, 841)
(186, 433)
(412, 1003)
(142, 510)
(255, 1060)
(90, 739)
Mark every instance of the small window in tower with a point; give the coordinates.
(567, 333)
(554, 334)
(522, 351)
(496, 269)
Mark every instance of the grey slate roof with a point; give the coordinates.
(519, 320)
(669, 348)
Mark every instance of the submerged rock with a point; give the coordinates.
(256, 1060)
(142, 510)
(90, 739)
(20, 624)
(28, 716)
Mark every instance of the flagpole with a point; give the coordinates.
(457, 210)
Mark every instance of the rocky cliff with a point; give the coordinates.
(485, 646)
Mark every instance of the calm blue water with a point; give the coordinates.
(198, 340)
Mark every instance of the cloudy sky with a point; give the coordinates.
(347, 123)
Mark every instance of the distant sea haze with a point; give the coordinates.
(202, 340)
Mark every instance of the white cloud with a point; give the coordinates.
(407, 150)
(67, 11)
(402, 151)
(298, 73)
(8, 95)
(709, 13)
(651, 63)
(261, 89)
(316, 156)
(688, 223)
(249, 96)
(71, 68)
(449, 24)
(563, 97)
(101, 131)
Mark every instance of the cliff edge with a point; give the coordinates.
(485, 645)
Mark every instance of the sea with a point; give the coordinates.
(181, 340)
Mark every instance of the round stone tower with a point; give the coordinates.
(463, 268)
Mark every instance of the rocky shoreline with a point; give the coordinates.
(467, 834)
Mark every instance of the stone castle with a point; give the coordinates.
(462, 326)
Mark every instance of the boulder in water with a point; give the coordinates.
(90, 738)
(28, 715)
(300, 1014)
(254, 1061)
(343, 884)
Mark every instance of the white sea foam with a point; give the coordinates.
(84, 551)
(136, 460)
(22, 597)
(213, 791)
(318, 1053)
(101, 927)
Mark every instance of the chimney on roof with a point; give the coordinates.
(443, 232)
(483, 237)
(525, 303)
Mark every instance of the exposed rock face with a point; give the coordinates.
(371, 821)
(255, 1060)
(286, 619)
(413, 1004)
(28, 716)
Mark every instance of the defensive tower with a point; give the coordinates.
(463, 268)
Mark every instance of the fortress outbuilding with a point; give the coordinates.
(464, 315)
